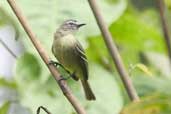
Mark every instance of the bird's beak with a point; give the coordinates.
(80, 25)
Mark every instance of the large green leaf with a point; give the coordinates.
(6, 83)
(4, 108)
(160, 62)
(45, 16)
(132, 35)
(49, 95)
(156, 104)
(28, 67)
(6, 19)
(146, 85)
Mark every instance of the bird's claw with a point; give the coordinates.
(63, 78)
(51, 62)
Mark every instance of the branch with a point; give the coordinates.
(113, 51)
(167, 39)
(65, 89)
(8, 49)
(43, 108)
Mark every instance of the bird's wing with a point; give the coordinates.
(82, 59)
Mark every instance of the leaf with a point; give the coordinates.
(146, 85)
(168, 4)
(160, 62)
(132, 36)
(156, 104)
(6, 19)
(109, 92)
(6, 83)
(4, 108)
(44, 16)
(143, 68)
(49, 95)
(28, 67)
(97, 52)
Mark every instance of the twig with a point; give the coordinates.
(167, 39)
(8, 49)
(43, 108)
(65, 89)
(113, 51)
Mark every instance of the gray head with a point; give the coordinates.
(69, 27)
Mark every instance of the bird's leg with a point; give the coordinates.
(63, 78)
(51, 62)
(70, 76)
(74, 76)
(68, 72)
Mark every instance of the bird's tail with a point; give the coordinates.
(88, 92)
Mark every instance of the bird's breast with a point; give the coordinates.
(63, 49)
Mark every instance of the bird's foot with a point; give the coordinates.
(64, 78)
(74, 76)
(51, 62)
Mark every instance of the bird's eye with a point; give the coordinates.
(71, 23)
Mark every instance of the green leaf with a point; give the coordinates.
(49, 95)
(4, 108)
(28, 67)
(132, 35)
(97, 52)
(146, 85)
(6, 19)
(142, 68)
(168, 4)
(106, 89)
(160, 62)
(135, 35)
(6, 83)
(45, 16)
(157, 104)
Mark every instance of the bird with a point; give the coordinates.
(71, 55)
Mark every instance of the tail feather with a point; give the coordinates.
(88, 92)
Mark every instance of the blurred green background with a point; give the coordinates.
(136, 29)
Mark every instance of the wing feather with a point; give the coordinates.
(82, 59)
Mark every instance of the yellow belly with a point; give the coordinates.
(64, 51)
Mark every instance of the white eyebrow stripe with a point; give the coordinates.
(71, 21)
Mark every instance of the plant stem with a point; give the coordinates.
(167, 39)
(113, 51)
(8, 49)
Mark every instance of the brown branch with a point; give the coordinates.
(65, 89)
(113, 51)
(161, 7)
(8, 49)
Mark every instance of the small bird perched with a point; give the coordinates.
(70, 54)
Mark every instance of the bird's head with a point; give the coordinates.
(70, 26)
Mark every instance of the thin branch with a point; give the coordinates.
(8, 49)
(43, 108)
(64, 87)
(113, 51)
(167, 39)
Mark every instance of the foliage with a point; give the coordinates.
(137, 35)
(156, 104)
(5, 83)
(4, 108)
